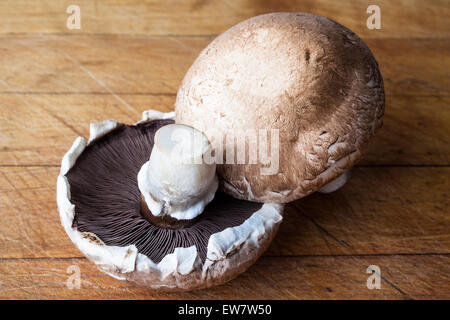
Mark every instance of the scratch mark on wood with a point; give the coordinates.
(101, 83)
(395, 287)
(321, 228)
(64, 122)
(45, 109)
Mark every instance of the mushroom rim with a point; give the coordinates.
(119, 261)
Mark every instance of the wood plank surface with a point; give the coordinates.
(386, 218)
(126, 64)
(130, 56)
(400, 19)
(403, 277)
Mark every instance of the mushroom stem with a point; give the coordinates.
(336, 183)
(179, 179)
(163, 221)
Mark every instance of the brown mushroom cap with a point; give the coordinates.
(305, 75)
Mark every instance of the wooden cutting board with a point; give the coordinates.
(130, 56)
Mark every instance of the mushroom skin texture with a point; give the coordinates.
(308, 77)
(177, 182)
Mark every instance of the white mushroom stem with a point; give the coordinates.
(336, 183)
(177, 181)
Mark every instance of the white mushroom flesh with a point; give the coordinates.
(178, 181)
(337, 183)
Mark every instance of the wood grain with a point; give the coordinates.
(413, 19)
(381, 210)
(387, 219)
(403, 277)
(143, 65)
(38, 129)
(415, 131)
(130, 56)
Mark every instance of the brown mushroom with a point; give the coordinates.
(308, 79)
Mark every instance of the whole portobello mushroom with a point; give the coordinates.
(305, 81)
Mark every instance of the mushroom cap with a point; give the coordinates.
(99, 204)
(306, 76)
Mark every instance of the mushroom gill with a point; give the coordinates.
(106, 196)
